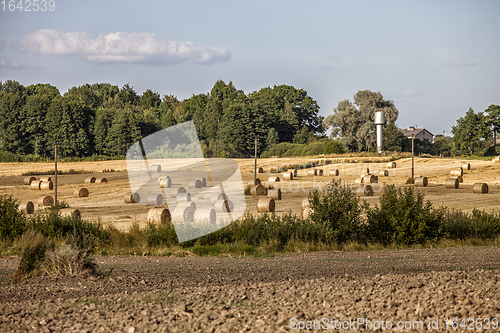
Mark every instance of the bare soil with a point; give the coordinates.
(272, 294)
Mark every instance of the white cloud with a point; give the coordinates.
(459, 64)
(120, 47)
(411, 93)
(4, 63)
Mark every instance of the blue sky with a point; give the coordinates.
(434, 59)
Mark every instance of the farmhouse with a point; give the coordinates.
(420, 133)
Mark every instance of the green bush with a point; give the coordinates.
(403, 218)
(318, 147)
(12, 221)
(460, 225)
(33, 246)
(337, 211)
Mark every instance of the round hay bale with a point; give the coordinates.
(154, 200)
(367, 170)
(391, 165)
(257, 190)
(460, 179)
(306, 212)
(46, 201)
(480, 188)
(312, 172)
(266, 205)
(421, 181)
(274, 179)
(260, 170)
(466, 166)
(35, 185)
(359, 180)
(204, 182)
(289, 175)
(183, 197)
(101, 180)
(27, 207)
(47, 186)
(183, 214)
(383, 173)
(162, 177)
(159, 216)
(216, 197)
(223, 206)
(155, 168)
(186, 204)
(274, 194)
(319, 172)
(70, 212)
(175, 191)
(305, 203)
(90, 179)
(294, 172)
(368, 179)
(166, 183)
(205, 215)
(365, 190)
(29, 180)
(82, 193)
(451, 183)
(334, 172)
(132, 198)
(195, 183)
(257, 182)
(45, 179)
(496, 159)
(457, 172)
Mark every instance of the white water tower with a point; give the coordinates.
(379, 122)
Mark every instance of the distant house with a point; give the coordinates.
(420, 133)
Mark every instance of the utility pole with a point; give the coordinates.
(55, 170)
(412, 157)
(255, 168)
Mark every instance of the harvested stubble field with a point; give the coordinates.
(241, 294)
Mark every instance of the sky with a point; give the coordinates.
(434, 59)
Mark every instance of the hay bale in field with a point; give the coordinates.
(274, 179)
(35, 185)
(496, 159)
(27, 207)
(480, 188)
(186, 204)
(183, 197)
(365, 190)
(466, 166)
(312, 172)
(460, 179)
(204, 182)
(334, 172)
(368, 179)
(183, 214)
(359, 180)
(383, 173)
(154, 200)
(391, 165)
(70, 212)
(294, 172)
(451, 183)
(319, 172)
(46, 186)
(305, 203)
(29, 180)
(162, 177)
(421, 181)
(224, 206)
(205, 215)
(155, 168)
(266, 205)
(251, 183)
(257, 190)
(195, 183)
(274, 194)
(46, 200)
(45, 179)
(101, 180)
(367, 170)
(166, 183)
(132, 198)
(175, 191)
(306, 212)
(216, 197)
(260, 170)
(288, 175)
(457, 172)
(159, 216)
(90, 179)
(82, 193)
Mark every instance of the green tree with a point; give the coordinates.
(470, 133)
(493, 120)
(393, 138)
(272, 137)
(354, 125)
